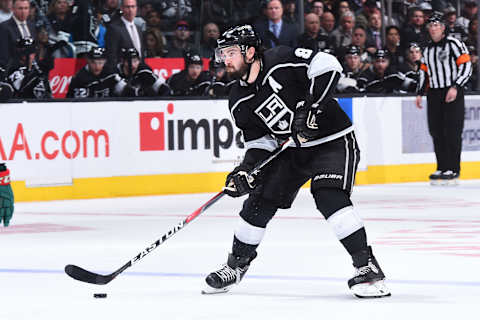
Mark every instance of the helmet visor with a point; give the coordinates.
(224, 53)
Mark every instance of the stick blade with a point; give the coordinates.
(83, 275)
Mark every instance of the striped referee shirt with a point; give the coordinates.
(444, 64)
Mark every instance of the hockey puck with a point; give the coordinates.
(99, 295)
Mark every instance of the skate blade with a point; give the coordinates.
(210, 290)
(435, 182)
(376, 289)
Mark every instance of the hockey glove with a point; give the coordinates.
(239, 182)
(6, 196)
(305, 126)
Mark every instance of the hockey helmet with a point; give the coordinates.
(243, 36)
(382, 54)
(130, 53)
(192, 57)
(97, 53)
(353, 50)
(437, 17)
(25, 46)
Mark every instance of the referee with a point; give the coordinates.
(445, 68)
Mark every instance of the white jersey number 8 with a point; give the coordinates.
(303, 53)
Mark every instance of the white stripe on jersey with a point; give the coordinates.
(283, 65)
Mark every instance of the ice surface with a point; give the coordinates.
(427, 240)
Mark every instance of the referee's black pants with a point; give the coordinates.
(445, 124)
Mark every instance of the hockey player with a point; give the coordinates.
(96, 80)
(28, 78)
(6, 196)
(141, 80)
(6, 89)
(353, 70)
(221, 83)
(283, 92)
(191, 81)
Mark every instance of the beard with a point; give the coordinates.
(237, 74)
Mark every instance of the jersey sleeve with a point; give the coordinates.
(323, 73)
(462, 60)
(422, 77)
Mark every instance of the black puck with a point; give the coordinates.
(99, 295)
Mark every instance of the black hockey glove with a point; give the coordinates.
(304, 127)
(238, 181)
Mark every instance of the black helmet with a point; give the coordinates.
(436, 17)
(243, 36)
(192, 57)
(97, 53)
(353, 50)
(25, 46)
(130, 53)
(382, 54)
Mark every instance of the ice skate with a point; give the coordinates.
(449, 178)
(229, 275)
(368, 281)
(436, 178)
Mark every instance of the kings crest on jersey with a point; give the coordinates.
(288, 76)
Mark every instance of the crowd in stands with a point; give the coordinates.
(380, 53)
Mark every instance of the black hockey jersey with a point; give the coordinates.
(29, 83)
(144, 83)
(181, 85)
(265, 109)
(85, 85)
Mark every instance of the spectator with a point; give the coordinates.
(141, 80)
(180, 44)
(452, 28)
(290, 14)
(27, 78)
(342, 35)
(374, 37)
(274, 31)
(5, 10)
(380, 77)
(155, 44)
(215, 11)
(59, 16)
(175, 10)
(145, 8)
(317, 8)
(123, 33)
(209, 40)
(353, 69)
(153, 20)
(359, 39)
(312, 38)
(469, 13)
(415, 30)
(340, 8)
(191, 81)
(426, 9)
(361, 17)
(392, 44)
(15, 28)
(327, 22)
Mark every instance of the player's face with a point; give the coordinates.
(381, 65)
(96, 66)
(436, 29)
(233, 59)
(414, 54)
(194, 71)
(353, 61)
(135, 63)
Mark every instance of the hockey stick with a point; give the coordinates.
(83, 275)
